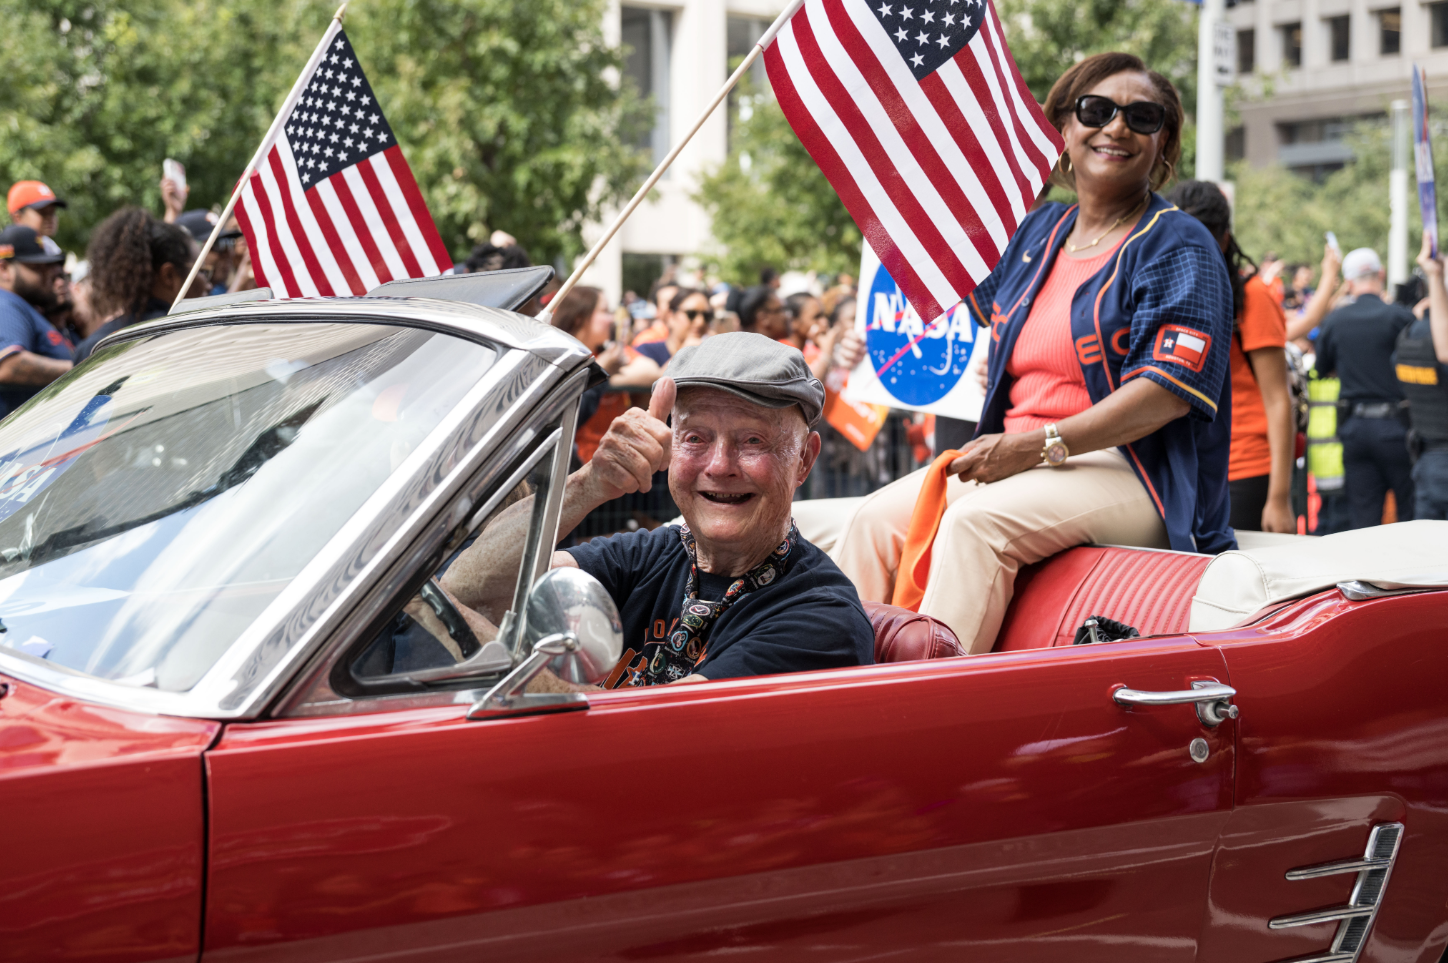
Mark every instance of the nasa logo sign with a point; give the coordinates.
(918, 365)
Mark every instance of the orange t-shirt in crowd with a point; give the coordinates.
(610, 406)
(1048, 384)
(658, 331)
(1263, 325)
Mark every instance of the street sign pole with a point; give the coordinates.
(1216, 53)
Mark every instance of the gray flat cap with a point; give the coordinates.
(753, 367)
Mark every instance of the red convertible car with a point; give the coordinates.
(239, 721)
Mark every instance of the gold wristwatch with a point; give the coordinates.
(1055, 452)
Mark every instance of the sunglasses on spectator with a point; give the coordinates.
(1144, 117)
(694, 315)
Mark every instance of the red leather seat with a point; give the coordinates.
(905, 636)
(1151, 590)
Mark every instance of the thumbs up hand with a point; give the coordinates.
(635, 446)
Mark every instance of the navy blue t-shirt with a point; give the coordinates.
(809, 619)
(655, 351)
(22, 328)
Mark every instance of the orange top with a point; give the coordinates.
(1263, 325)
(658, 331)
(1048, 384)
(610, 406)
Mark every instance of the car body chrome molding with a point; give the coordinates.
(1373, 870)
(262, 661)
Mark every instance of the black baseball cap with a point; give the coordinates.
(24, 246)
(199, 224)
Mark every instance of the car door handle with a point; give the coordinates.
(1213, 700)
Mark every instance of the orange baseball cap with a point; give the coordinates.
(25, 194)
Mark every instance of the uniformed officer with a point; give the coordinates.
(1421, 369)
(1357, 344)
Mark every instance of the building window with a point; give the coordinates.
(1390, 31)
(647, 34)
(1291, 45)
(1339, 37)
(1246, 51)
(1235, 144)
(1438, 24)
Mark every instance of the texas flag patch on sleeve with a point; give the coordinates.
(1182, 345)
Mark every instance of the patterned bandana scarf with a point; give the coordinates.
(688, 644)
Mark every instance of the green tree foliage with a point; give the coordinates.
(1277, 210)
(772, 206)
(503, 108)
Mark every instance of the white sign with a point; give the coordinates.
(1224, 54)
(909, 364)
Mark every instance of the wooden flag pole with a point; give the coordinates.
(546, 314)
(287, 106)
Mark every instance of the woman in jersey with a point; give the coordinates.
(1264, 431)
(1106, 416)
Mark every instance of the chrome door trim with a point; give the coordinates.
(261, 662)
(470, 321)
(1357, 916)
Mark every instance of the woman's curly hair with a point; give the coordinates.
(126, 252)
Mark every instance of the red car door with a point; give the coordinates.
(103, 822)
(1000, 807)
(1343, 763)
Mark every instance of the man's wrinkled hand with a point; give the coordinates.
(635, 446)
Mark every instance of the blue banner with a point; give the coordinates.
(1423, 158)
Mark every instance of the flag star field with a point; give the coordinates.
(929, 32)
(337, 122)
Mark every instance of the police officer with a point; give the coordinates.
(1357, 344)
(1421, 369)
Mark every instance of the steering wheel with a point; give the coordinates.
(449, 616)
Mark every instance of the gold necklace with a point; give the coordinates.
(1114, 225)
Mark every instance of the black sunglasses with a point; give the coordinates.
(1144, 117)
(694, 315)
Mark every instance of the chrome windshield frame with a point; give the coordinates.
(532, 359)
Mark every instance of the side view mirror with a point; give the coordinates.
(574, 630)
(571, 603)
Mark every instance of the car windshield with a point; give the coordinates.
(156, 501)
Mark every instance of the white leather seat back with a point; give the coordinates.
(1237, 584)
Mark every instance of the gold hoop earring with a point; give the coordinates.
(1170, 172)
(1065, 162)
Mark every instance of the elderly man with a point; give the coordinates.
(735, 591)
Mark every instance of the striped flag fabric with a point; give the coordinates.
(331, 208)
(917, 115)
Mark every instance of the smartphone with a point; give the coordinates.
(174, 172)
(1332, 243)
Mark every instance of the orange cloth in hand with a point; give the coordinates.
(924, 523)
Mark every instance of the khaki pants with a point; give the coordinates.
(987, 533)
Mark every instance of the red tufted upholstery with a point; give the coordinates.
(1148, 589)
(905, 636)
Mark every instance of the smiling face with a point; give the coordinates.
(690, 323)
(733, 473)
(1114, 159)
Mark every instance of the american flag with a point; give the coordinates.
(916, 113)
(332, 208)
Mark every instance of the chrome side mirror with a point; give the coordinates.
(574, 630)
